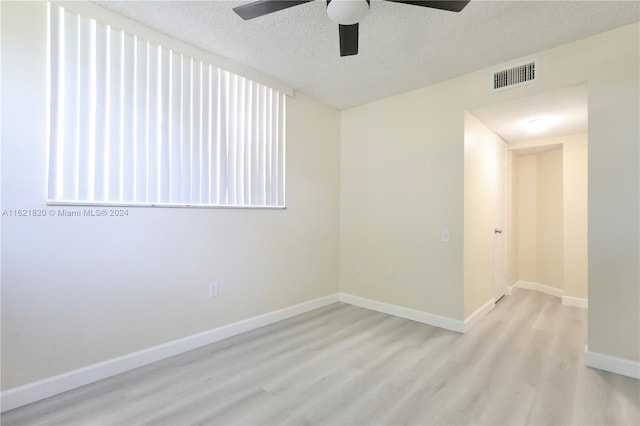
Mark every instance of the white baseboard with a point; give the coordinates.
(479, 314)
(407, 313)
(578, 302)
(530, 285)
(612, 364)
(32, 392)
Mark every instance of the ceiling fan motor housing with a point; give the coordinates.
(347, 12)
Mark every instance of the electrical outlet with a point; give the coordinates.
(444, 235)
(356, 267)
(389, 274)
(213, 290)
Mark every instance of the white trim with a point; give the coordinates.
(32, 392)
(480, 313)
(527, 285)
(530, 285)
(553, 291)
(407, 313)
(578, 302)
(612, 364)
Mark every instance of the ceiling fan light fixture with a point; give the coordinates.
(347, 12)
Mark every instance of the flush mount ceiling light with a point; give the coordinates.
(347, 12)
(539, 125)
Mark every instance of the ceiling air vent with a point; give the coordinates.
(515, 76)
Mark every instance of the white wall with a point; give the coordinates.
(403, 180)
(76, 291)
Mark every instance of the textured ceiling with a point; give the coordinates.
(402, 47)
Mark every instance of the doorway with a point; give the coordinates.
(527, 127)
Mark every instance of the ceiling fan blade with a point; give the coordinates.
(348, 40)
(264, 7)
(450, 5)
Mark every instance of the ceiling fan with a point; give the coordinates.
(346, 13)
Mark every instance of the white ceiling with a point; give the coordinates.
(402, 47)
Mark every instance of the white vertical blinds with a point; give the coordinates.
(135, 123)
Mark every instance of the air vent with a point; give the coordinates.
(515, 76)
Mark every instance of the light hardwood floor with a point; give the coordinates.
(522, 364)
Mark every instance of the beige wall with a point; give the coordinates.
(614, 207)
(574, 155)
(401, 184)
(551, 213)
(513, 251)
(526, 222)
(76, 291)
(79, 292)
(550, 248)
(480, 145)
(402, 180)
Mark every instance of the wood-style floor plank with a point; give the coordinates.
(344, 365)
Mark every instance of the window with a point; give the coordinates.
(135, 123)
